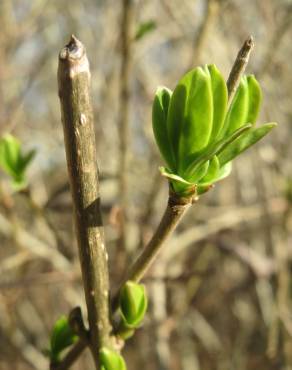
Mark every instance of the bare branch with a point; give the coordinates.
(77, 118)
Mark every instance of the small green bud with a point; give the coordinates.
(62, 337)
(111, 360)
(133, 303)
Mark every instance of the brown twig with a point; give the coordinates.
(176, 208)
(149, 206)
(239, 66)
(77, 119)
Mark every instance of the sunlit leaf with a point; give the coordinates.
(159, 120)
(190, 115)
(220, 98)
(254, 99)
(244, 142)
(215, 149)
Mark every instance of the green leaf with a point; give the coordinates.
(133, 303)
(223, 172)
(220, 98)
(13, 162)
(200, 172)
(237, 113)
(212, 172)
(254, 99)
(190, 115)
(62, 337)
(111, 360)
(9, 154)
(159, 119)
(244, 142)
(215, 149)
(144, 28)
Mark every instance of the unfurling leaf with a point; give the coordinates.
(244, 142)
(215, 149)
(195, 133)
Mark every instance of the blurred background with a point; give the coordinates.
(220, 293)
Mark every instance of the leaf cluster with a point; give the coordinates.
(197, 134)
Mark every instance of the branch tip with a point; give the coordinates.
(250, 41)
(239, 66)
(73, 50)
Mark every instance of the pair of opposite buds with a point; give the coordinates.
(198, 135)
(133, 304)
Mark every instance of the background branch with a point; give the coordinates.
(123, 120)
(212, 9)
